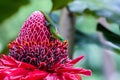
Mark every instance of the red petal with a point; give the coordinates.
(54, 76)
(25, 65)
(68, 76)
(78, 77)
(36, 75)
(74, 61)
(75, 71)
(8, 61)
(21, 74)
(11, 69)
(12, 74)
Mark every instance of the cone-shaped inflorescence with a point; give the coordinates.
(35, 45)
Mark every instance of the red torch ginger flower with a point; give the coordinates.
(36, 55)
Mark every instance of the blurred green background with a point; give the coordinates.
(91, 26)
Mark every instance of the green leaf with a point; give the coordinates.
(117, 50)
(85, 22)
(58, 4)
(82, 39)
(109, 35)
(9, 7)
(106, 8)
(114, 28)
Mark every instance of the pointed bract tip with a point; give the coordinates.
(74, 61)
